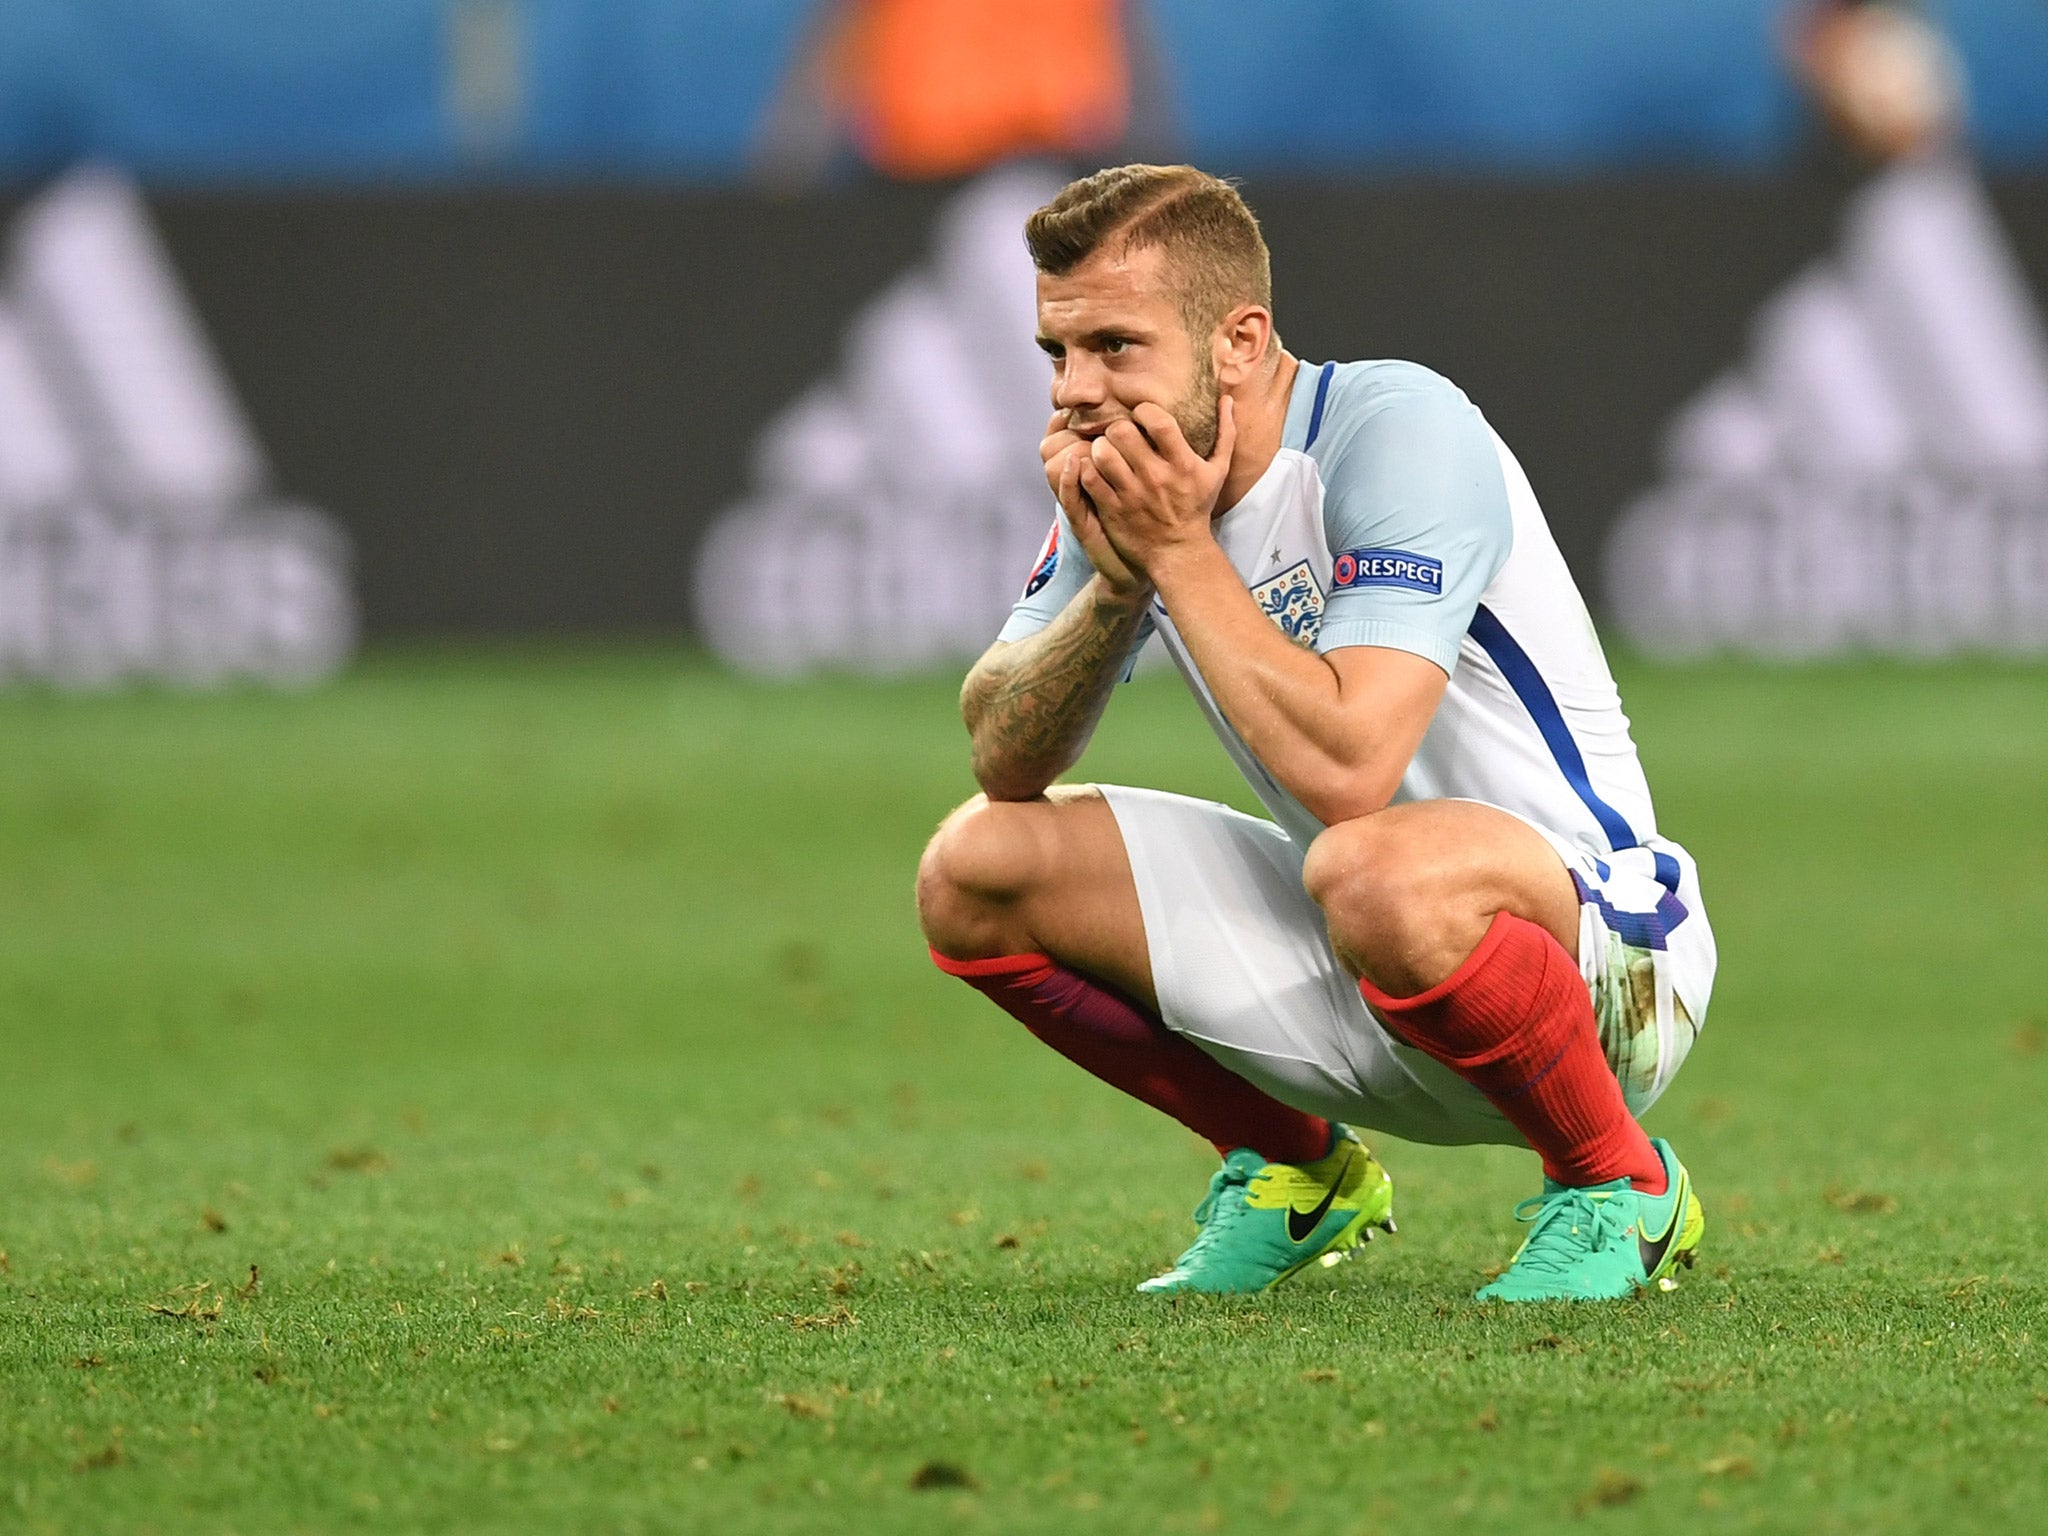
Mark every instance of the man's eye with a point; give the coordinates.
(1115, 345)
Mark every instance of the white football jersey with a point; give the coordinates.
(1394, 516)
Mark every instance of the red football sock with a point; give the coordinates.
(1516, 1022)
(1105, 1033)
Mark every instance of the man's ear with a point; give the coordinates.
(1240, 343)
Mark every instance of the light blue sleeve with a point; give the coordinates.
(1415, 508)
(1061, 571)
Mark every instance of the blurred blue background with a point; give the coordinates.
(213, 91)
(469, 278)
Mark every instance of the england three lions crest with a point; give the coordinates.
(1294, 602)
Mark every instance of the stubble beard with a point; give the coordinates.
(1195, 412)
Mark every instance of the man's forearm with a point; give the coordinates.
(1339, 754)
(1030, 707)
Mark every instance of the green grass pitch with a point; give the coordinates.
(508, 1093)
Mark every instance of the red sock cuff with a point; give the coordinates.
(999, 966)
(1498, 932)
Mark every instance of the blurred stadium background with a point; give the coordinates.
(567, 314)
(613, 422)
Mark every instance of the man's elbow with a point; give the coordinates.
(1340, 792)
(1011, 792)
(1011, 781)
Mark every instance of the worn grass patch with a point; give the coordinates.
(509, 1094)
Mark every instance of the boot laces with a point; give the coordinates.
(1566, 1227)
(1222, 1206)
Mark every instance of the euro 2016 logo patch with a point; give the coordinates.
(1048, 562)
(1387, 568)
(1294, 602)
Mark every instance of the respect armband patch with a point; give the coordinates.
(1387, 568)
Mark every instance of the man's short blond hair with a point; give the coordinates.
(1215, 255)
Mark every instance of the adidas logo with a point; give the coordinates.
(136, 536)
(1875, 476)
(897, 506)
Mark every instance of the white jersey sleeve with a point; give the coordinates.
(1415, 509)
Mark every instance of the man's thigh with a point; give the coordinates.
(1242, 963)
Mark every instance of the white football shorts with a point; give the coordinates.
(1242, 964)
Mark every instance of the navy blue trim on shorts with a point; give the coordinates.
(1645, 930)
(1667, 871)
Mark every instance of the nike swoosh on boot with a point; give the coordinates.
(1301, 1225)
(1651, 1251)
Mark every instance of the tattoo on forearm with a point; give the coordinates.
(1032, 706)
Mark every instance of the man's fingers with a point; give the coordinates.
(1056, 466)
(1163, 432)
(1107, 459)
(1068, 488)
(1097, 487)
(1053, 449)
(1053, 442)
(1129, 439)
(1082, 511)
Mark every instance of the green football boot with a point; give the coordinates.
(1604, 1242)
(1263, 1221)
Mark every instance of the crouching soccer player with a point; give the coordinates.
(1460, 924)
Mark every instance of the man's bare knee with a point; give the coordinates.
(978, 867)
(1409, 893)
(1371, 872)
(1379, 888)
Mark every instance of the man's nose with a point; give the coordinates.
(1076, 383)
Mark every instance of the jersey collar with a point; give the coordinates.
(1308, 398)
